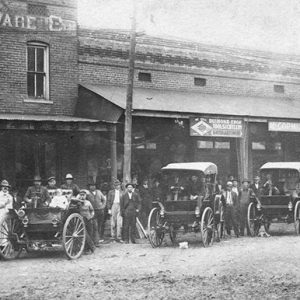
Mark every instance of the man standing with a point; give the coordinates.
(51, 186)
(245, 194)
(230, 202)
(98, 200)
(146, 201)
(256, 186)
(70, 185)
(37, 195)
(113, 205)
(130, 206)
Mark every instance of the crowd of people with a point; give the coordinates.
(123, 204)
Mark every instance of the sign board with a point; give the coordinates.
(216, 127)
(284, 126)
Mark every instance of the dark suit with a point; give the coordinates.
(256, 190)
(231, 212)
(129, 208)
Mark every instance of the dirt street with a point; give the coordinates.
(244, 268)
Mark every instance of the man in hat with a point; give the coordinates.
(113, 206)
(70, 185)
(37, 195)
(235, 186)
(98, 200)
(51, 186)
(6, 200)
(231, 204)
(86, 210)
(130, 207)
(244, 197)
(256, 186)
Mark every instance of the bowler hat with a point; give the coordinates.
(129, 183)
(91, 183)
(37, 178)
(5, 183)
(229, 183)
(69, 176)
(105, 186)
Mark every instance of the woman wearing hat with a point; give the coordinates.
(6, 200)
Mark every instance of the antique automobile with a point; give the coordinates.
(30, 228)
(179, 210)
(279, 200)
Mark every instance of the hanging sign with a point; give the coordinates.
(284, 126)
(216, 127)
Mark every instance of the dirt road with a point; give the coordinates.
(244, 268)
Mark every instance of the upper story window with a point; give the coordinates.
(142, 76)
(37, 10)
(38, 70)
(278, 88)
(199, 81)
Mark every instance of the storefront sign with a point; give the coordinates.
(216, 127)
(18, 21)
(284, 126)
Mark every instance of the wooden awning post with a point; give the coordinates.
(113, 152)
(243, 153)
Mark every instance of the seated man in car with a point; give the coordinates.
(269, 188)
(177, 188)
(195, 188)
(37, 196)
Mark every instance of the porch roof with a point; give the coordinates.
(192, 102)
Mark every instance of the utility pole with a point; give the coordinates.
(129, 94)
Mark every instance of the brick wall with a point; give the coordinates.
(63, 63)
(103, 59)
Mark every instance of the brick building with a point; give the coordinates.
(40, 132)
(193, 102)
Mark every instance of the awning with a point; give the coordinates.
(184, 102)
(50, 122)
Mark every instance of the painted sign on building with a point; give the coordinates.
(284, 126)
(11, 19)
(216, 127)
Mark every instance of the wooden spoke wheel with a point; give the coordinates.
(253, 221)
(74, 236)
(207, 227)
(297, 217)
(155, 228)
(9, 247)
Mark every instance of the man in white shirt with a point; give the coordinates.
(113, 205)
(231, 205)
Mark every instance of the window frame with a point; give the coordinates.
(38, 45)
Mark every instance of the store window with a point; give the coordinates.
(38, 70)
(278, 88)
(142, 76)
(205, 144)
(258, 146)
(199, 81)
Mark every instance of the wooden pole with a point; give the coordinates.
(128, 111)
(113, 152)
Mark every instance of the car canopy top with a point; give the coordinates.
(281, 166)
(206, 167)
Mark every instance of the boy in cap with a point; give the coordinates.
(98, 200)
(113, 205)
(70, 185)
(130, 207)
(86, 210)
(37, 195)
(51, 186)
(6, 200)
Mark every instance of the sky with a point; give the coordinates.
(270, 25)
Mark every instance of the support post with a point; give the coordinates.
(243, 153)
(113, 152)
(128, 111)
